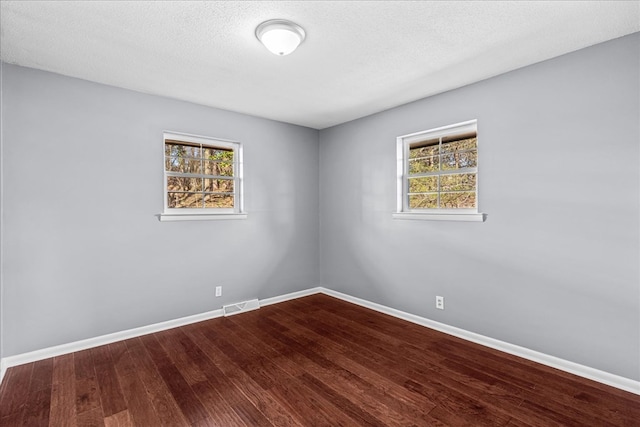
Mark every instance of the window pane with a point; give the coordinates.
(427, 164)
(211, 153)
(424, 149)
(458, 160)
(200, 174)
(184, 200)
(423, 201)
(218, 201)
(458, 200)
(178, 164)
(173, 163)
(423, 185)
(458, 182)
(439, 171)
(175, 183)
(182, 150)
(218, 185)
(463, 144)
(222, 168)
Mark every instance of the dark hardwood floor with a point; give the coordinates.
(314, 361)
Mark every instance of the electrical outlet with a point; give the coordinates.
(440, 303)
(218, 291)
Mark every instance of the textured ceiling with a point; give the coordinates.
(359, 57)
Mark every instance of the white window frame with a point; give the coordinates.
(190, 214)
(403, 144)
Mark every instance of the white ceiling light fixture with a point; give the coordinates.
(280, 36)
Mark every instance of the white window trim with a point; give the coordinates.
(200, 217)
(470, 217)
(402, 150)
(237, 212)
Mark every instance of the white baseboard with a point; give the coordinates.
(45, 353)
(544, 359)
(58, 350)
(292, 295)
(3, 369)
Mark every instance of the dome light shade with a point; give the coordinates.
(281, 37)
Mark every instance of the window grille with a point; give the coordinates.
(201, 175)
(438, 170)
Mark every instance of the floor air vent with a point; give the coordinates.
(240, 307)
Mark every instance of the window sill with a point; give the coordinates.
(472, 217)
(200, 217)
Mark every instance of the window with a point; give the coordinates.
(438, 174)
(202, 178)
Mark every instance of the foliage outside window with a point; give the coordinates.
(201, 175)
(438, 170)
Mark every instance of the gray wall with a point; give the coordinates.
(85, 254)
(555, 266)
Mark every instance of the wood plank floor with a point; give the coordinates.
(313, 361)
